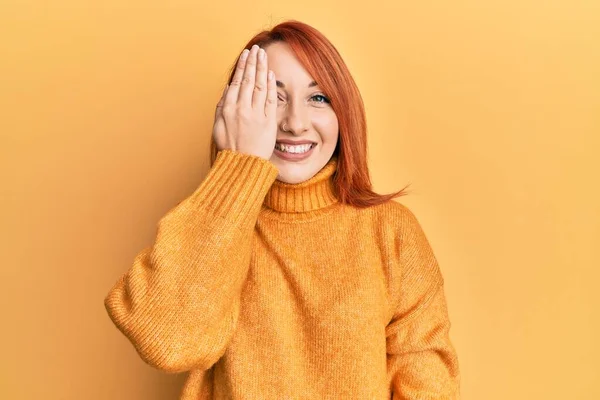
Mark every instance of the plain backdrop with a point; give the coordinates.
(489, 108)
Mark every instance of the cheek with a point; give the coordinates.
(326, 124)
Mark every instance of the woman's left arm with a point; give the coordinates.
(421, 359)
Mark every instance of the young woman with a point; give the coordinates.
(283, 275)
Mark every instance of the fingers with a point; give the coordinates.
(260, 84)
(271, 104)
(250, 86)
(247, 86)
(236, 81)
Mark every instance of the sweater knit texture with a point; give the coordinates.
(260, 289)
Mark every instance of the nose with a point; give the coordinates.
(295, 119)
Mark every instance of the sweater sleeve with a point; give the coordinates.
(421, 359)
(179, 302)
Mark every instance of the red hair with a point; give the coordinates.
(324, 63)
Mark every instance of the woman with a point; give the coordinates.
(283, 276)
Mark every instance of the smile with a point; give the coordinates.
(294, 153)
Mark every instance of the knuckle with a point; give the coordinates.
(235, 82)
(239, 109)
(243, 113)
(259, 87)
(246, 80)
(227, 110)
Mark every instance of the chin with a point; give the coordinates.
(296, 172)
(292, 178)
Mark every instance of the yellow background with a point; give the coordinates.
(490, 108)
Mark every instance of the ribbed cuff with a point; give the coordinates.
(235, 187)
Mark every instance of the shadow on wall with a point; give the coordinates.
(161, 386)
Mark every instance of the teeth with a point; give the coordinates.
(303, 148)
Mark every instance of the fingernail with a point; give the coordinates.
(270, 76)
(245, 54)
(261, 54)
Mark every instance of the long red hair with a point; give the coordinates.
(323, 62)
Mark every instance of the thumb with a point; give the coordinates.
(219, 108)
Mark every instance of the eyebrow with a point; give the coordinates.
(281, 85)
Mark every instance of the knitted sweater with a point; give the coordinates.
(260, 289)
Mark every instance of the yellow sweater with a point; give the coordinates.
(265, 290)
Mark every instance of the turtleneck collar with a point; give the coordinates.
(311, 195)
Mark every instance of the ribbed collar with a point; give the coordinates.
(310, 195)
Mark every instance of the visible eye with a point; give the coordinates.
(320, 96)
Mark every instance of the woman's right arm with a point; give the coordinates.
(179, 303)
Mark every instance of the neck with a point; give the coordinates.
(311, 195)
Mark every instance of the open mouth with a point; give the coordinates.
(298, 149)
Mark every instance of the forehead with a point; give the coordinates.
(286, 66)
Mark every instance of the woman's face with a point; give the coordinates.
(305, 114)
